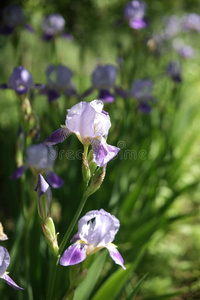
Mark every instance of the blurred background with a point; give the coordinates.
(153, 184)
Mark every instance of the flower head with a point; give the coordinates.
(141, 89)
(40, 159)
(91, 124)
(96, 230)
(191, 22)
(21, 80)
(58, 81)
(13, 17)
(4, 263)
(134, 12)
(53, 25)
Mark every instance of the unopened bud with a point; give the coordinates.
(96, 181)
(44, 197)
(85, 169)
(49, 231)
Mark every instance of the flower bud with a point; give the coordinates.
(96, 181)
(44, 197)
(48, 228)
(85, 169)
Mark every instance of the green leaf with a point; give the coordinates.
(86, 287)
(115, 283)
(136, 289)
(164, 297)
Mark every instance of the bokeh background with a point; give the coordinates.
(153, 184)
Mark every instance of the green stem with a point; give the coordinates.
(73, 223)
(62, 246)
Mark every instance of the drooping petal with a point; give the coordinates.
(144, 107)
(10, 282)
(115, 255)
(75, 254)
(57, 136)
(106, 96)
(102, 152)
(4, 260)
(52, 95)
(67, 36)
(18, 172)
(137, 24)
(3, 86)
(54, 180)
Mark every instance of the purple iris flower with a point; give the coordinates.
(58, 81)
(103, 79)
(134, 12)
(91, 124)
(173, 70)
(40, 159)
(13, 17)
(191, 22)
(4, 263)
(142, 90)
(172, 27)
(183, 49)
(21, 81)
(53, 25)
(96, 230)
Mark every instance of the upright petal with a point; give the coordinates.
(4, 260)
(102, 152)
(57, 136)
(54, 180)
(10, 282)
(115, 255)
(75, 254)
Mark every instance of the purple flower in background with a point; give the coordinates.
(4, 263)
(134, 12)
(183, 49)
(21, 81)
(96, 230)
(173, 70)
(103, 79)
(141, 89)
(13, 17)
(58, 81)
(172, 26)
(40, 159)
(191, 22)
(91, 124)
(53, 25)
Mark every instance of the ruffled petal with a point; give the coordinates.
(106, 96)
(4, 260)
(102, 152)
(57, 136)
(54, 180)
(10, 282)
(18, 172)
(115, 255)
(75, 254)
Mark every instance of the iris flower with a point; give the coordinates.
(91, 124)
(4, 263)
(40, 159)
(134, 12)
(96, 230)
